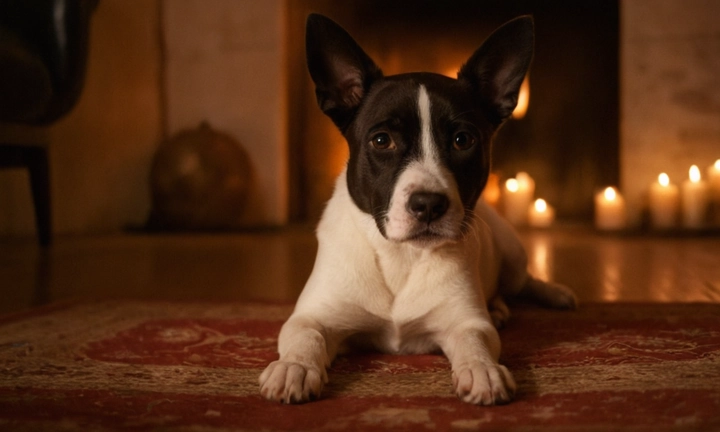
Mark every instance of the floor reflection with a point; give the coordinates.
(274, 266)
(628, 268)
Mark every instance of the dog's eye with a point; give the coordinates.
(463, 141)
(382, 141)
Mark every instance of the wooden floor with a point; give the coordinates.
(273, 265)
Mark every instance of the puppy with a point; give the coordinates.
(409, 259)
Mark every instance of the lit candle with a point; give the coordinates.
(517, 196)
(713, 173)
(491, 193)
(610, 210)
(664, 202)
(540, 214)
(694, 200)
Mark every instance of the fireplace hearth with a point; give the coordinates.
(568, 139)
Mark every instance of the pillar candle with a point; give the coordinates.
(713, 179)
(694, 200)
(664, 203)
(517, 196)
(610, 213)
(541, 214)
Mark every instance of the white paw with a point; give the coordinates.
(484, 384)
(288, 382)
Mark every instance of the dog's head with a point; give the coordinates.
(419, 142)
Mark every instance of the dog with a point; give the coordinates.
(409, 259)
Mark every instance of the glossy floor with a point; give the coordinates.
(273, 265)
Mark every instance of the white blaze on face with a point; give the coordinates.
(429, 151)
(425, 174)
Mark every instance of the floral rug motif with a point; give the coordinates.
(194, 367)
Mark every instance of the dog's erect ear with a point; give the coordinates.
(341, 70)
(496, 70)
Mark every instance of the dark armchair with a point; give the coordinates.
(43, 54)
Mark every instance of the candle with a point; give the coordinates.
(694, 200)
(610, 210)
(664, 202)
(713, 174)
(518, 195)
(540, 214)
(491, 193)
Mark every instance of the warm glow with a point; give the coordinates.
(491, 194)
(512, 185)
(540, 205)
(524, 180)
(610, 194)
(664, 180)
(717, 165)
(694, 174)
(452, 72)
(523, 100)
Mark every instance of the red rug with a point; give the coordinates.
(194, 367)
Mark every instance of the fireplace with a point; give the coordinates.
(239, 65)
(568, 139)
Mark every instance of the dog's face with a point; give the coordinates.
(419, 142)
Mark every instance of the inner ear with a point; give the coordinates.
(341, 70)
(496, 70)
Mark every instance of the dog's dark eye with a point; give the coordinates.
(463, 141)
(382, 141)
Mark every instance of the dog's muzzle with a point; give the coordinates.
(427, 206)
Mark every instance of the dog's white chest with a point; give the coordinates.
(412, 301)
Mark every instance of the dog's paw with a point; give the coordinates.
(560, 296)
(499, 312)
(484, 384)
(551, 294)
(291, 383)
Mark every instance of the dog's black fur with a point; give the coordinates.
(367, 107)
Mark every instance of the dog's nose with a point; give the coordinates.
(427, 206)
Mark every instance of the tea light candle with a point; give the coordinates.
(517, 196)
(694, 200)
(610, 211)
(540, 214)
(664, 203)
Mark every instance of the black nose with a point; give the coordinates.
(427, 206)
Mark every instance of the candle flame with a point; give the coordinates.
(512, 185)
(664, 180)
(540, 205)
(717, 165)
(610, 193)
(694, 174)
(523, 100)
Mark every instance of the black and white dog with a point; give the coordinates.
(409, 259)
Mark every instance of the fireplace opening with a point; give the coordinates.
(568, 139)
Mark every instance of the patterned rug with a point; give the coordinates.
(194, 367)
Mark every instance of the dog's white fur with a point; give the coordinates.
(406, 296)
(426, 174)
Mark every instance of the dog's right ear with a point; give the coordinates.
(340, 69)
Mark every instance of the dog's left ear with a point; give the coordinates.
(496, 70)
(341, 70)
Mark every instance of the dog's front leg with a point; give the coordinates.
(306, 350)
(477, 376)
